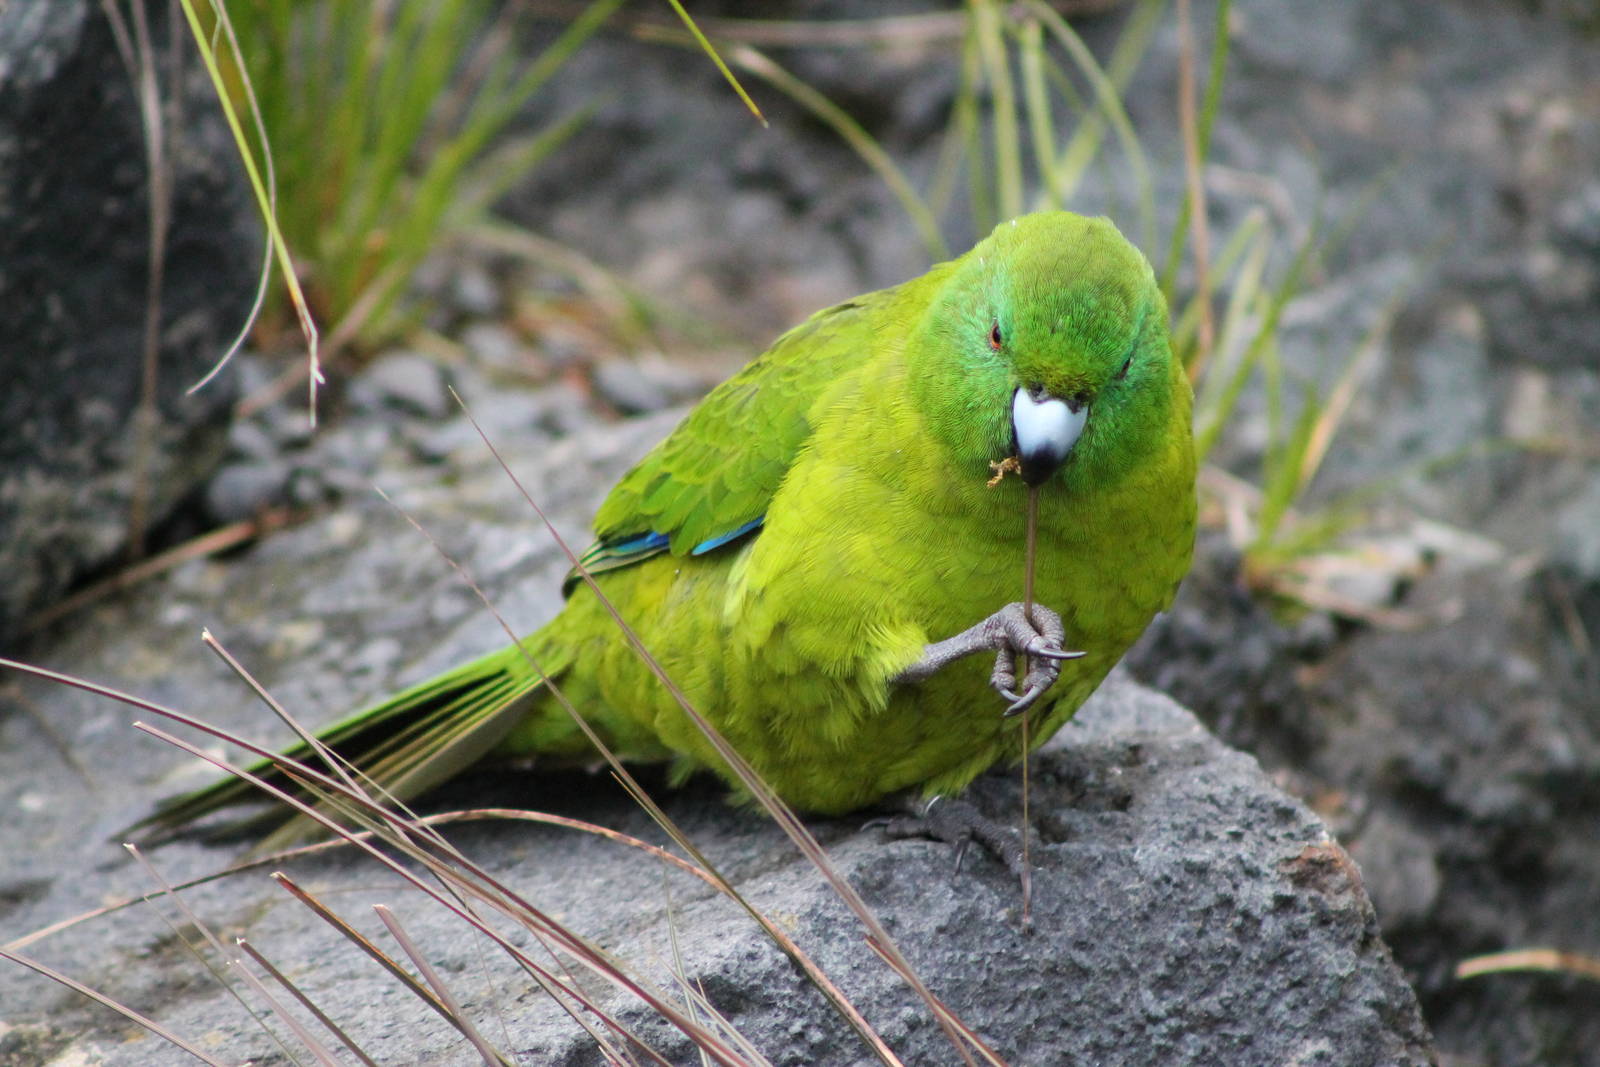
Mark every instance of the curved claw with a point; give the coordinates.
(1025, 701)
(1056, 654)
(1039, 639)
(1038, 680)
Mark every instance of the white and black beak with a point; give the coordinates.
(1044, 429)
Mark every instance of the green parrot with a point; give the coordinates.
(798, 553)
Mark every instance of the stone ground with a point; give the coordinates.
(1185, 909)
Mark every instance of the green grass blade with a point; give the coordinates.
(1036, 91)
(865, 146)
(722, 67)
(1108, 97)
(1207, 119)
(989, 33)
(968, 122)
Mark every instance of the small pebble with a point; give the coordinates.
(243, 490)
(474, 292)
(407, 381)
(645, 384)
(249, 439)
(497, 347)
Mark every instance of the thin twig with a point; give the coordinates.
(1029, 556)
(121, 1009)
(139, 56)
(208, 544)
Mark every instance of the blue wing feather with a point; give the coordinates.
(721, 539)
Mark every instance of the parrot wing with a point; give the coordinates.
(709, 483)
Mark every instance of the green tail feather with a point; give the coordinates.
(408, 743)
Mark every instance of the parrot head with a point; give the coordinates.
(1048, 342)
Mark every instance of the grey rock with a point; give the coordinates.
(497, 347)
(474, 291)
(1577, 533)
(74, 230)
(502, 414)
(644, 384)
(241, 491)
(409, 381)
(1402, 871)
(249, 439)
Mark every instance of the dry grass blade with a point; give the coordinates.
(208, 544)
(139, 57)
(693, 994)
(355, 838)
(701, 1006)
(391, 922)
(323, 1053)
(1531, 959)
(464, 877)
(211, 938)
(305, 1002)
(265, 194)
(1029, 557)
(780, 812)
(382, 958)
(484, 887)
(121, 1009)
(948, 1017)
(328, 757)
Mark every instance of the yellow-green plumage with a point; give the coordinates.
(860, 444)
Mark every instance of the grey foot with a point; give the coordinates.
(957, 822)
(1008, 633)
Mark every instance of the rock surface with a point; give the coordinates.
(1185, 910)
(74, 237)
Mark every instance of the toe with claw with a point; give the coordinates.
(958, 822)
(1015, 630)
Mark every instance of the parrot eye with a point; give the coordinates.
(1123, 373)
(995, 340)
